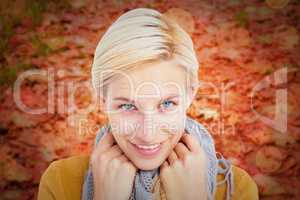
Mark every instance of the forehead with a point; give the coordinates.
(159, 78)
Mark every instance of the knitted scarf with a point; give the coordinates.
(143, 182)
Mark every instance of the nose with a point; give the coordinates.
(147, 133)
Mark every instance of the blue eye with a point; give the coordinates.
(127, 106)
(168, 104)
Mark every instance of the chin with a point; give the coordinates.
(147, 164)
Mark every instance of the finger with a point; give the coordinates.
(191, 142)
(105, 143)
(123, 158)
(172, 158)
(127, 163)
(113, 152)
(181, 150)
(164, 165)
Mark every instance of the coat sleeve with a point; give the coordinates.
(244, 186)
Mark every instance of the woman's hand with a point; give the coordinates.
(184, 173)
(113, 173)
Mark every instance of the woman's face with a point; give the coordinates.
(146, 108)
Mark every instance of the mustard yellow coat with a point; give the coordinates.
(64, 178)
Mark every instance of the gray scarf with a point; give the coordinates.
(144, 179)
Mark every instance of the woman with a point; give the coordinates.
(145, 75)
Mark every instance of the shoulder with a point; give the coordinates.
(244, 186)
(64, 175)
(73, 167)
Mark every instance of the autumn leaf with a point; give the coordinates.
(266, 159)
(237, 44)
(183, 18)
(268, 185)
(286, 36)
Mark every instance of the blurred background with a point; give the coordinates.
(249, 100)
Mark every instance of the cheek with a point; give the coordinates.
(172, 124)
(121, 140)
(175, 128)
(125, 124)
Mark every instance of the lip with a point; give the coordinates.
(147, 152)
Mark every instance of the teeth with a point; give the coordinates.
(147, 146)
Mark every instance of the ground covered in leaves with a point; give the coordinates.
(249, 54)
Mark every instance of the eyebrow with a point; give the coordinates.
(132, 101)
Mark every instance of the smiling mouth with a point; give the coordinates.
(147, 150)
(149, 147)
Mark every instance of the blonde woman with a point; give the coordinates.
(145, 75)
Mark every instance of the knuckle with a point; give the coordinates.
(178, 145)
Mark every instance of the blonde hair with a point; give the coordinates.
(141, 36)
